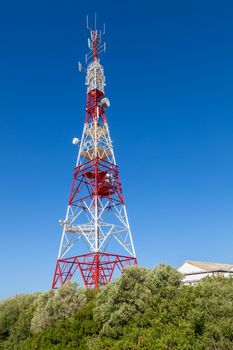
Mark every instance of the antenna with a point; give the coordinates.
(101, 32)
(80, 68)
(95, 19)
(88, 24)
(95, 42)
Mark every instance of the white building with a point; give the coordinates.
(194, 271)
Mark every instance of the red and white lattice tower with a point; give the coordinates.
(96, 237)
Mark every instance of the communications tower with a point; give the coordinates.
(96, 237)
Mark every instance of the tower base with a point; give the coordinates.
(96, 268)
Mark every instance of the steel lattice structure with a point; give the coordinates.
(96, 213)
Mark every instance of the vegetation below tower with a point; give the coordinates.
(143, 309)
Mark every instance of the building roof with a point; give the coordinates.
(209, 266)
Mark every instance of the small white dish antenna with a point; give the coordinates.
(105, 102)
(75, 141)
(62, 222)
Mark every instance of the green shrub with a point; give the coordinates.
(57, 305)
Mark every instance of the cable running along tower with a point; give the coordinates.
(96, 237)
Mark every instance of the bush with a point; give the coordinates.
(57, 305)
(15, 319)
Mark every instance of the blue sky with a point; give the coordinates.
(169, 71)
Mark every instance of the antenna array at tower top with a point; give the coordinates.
(95, 43)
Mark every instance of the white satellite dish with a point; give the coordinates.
(105, 102)
(75, 141)
(61, 222)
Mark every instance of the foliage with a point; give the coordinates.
(132, 294)
(57, 305)
(143, 309)
(72, 333)
(15, 319)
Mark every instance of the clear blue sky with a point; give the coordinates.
(169, 70)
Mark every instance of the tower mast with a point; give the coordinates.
(96, 214)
